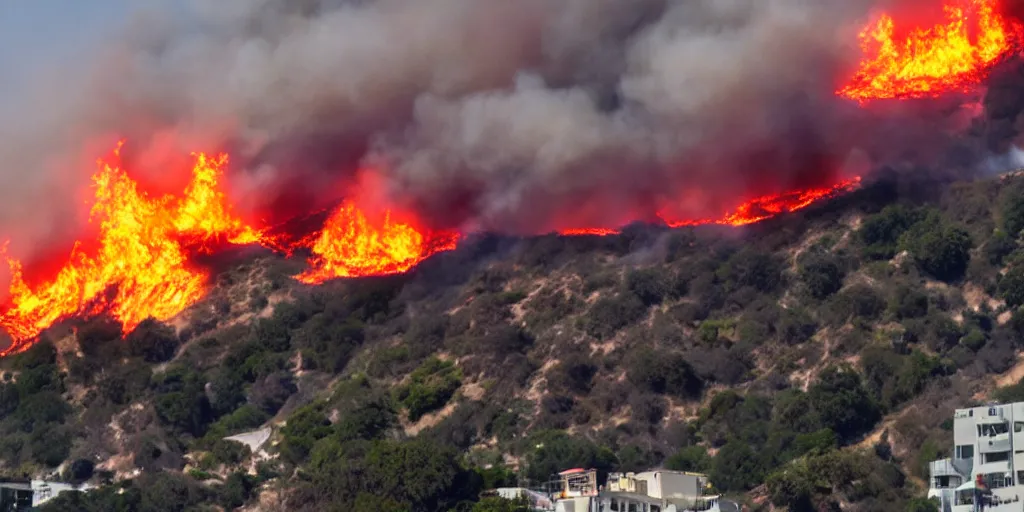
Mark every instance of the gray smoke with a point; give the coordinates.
(519, 116)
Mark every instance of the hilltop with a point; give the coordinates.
(809, 361)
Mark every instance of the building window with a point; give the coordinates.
(1018, 426)
(995, 457)
(997, 480)
(942, 482)
(965, 451)
(995, 429)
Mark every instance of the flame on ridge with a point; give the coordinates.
(139, 265)
(755, 210)
(950, 56)
(351, 245)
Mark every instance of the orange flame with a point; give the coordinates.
(140, 268)
(952, 56)
(750, 212)
(589, 232)
(139, 265)
(766, 207)
(352, 245)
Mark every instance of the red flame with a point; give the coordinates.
(140, 264)
(141, 255)
(351, 245)
(750, 212)
(953, 55)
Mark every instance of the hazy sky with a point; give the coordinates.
(38, 34)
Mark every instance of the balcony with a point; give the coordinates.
(944, 467)
(994, 443)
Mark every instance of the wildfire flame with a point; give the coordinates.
(351, 245)
(927, 61)
(140, 265)
(750, 212)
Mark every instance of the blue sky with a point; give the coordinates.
(44, 33)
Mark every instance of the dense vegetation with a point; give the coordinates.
(803, 362)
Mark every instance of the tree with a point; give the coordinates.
(80, 470)
(822, 275)
(793, 487)
(181, 401)
(690, 458)
(423, 475)
(575, 372)
(1011, 209)
(664, 373)
(237, 490)
(153, 341)
(1011, 286)
(650, 285)
(842, 402)
(748, 267)
(880, 233)
(497, 504)
(556, 451)
(940, 250)
(367, 421)
(736, 467)
(611, 313)
(429, 388)
(922, 505)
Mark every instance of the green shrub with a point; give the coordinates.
(430, 387)
(611, 313)
(880, 233)
(690, 458)
(1011, 209)
(821, 274)
(842, 402)
(153, 341)
(749, 267)
(1011, 286)
(940, 250)
(663, 373)
(229, 452)
(650, 285)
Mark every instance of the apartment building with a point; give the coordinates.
(650, 491)
(986, 471)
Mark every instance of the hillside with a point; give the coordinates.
(812, 361)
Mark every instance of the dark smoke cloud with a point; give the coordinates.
(482, 114)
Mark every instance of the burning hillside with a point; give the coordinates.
(902, 61)
(139, 266)
(505, 136)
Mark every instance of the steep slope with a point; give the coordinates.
(841, 338)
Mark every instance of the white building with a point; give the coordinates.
(986, 471)
(650, 491)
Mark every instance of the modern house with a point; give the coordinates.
(986, 471)
(538, 501)
(15, 496)
(650, 491)
(26, 495)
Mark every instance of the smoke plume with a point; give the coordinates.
(519, 116)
